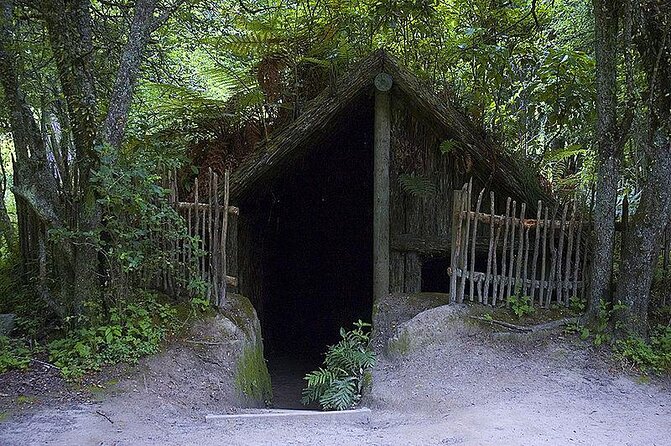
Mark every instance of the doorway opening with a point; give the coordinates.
(316, 265)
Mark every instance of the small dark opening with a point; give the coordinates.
(434, 275)
(316, 261)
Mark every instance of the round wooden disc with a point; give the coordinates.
(383, 81)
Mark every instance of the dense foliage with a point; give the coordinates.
(130, 331)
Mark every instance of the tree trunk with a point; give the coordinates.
(117, 113)
(642, 241)
(608, 162)
(641, 247)
(6, 227)
(72, 205)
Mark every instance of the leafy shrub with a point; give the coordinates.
(652, 356)
(131, 331)
(577, 304)
(13, 354)
(339, 384)
(521, 305)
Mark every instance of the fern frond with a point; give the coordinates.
(341, 395)
(565, 152)
(252, 42)
(417, 185)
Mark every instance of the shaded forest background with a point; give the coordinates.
(101, 97)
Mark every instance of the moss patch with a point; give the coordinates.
(251, 376)
(399, 346)
(22, 399)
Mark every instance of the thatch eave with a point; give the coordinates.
(493, 166)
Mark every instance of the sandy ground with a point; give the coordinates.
(468, 386)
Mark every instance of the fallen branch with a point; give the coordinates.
(529, 329)
(508, 325)
(46, 364)
(104, 416)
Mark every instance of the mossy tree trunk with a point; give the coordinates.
(608, 158)
(643, 238)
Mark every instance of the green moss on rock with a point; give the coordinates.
(251, 376)
(399, 345)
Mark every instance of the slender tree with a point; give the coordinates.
(641, 244)
(6, 227)
(606, 24)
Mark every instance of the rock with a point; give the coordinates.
(233, 337)
(6, 323)
(440, 324)
(393, 310)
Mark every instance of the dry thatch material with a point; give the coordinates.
(492, 166)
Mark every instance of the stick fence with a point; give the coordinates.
(495, 256)
(207, 219)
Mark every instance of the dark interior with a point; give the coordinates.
(434, 275)
(316, 263)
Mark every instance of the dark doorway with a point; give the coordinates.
(434, 275)
(317, 266)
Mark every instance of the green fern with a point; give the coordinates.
(417, 185)
(448, 146)
(342, 394)
(339, 384)
(565, 152)
(252, 42)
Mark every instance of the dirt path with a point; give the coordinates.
(473, 387)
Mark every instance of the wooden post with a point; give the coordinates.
(381, 148)
(474, 239)
(491, 252)
(455, 234)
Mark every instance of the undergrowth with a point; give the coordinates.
(130, 331)
(14, 354)
(521, 305)
(647, 356)
(338, 385)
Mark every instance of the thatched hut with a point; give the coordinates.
(353, 200)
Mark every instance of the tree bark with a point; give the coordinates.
(608, 161)
(117, 114)
(642, 241)
(6, 227)
(642, 244)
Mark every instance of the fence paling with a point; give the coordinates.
(206, 222)
(475, 233)
(489, 250)
(550, 238)
(534, 261)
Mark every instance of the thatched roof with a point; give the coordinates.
(493, 166)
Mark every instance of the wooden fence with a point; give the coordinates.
(495, 256)
(207, 220)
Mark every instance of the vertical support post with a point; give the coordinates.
(382, 143)
(455, 241)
